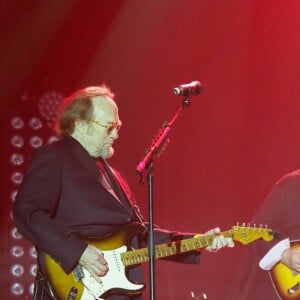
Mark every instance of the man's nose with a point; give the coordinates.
(115, 134)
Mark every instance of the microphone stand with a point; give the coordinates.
(147, 163)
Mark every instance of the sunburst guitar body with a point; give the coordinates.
(80, 285)
(286, 282)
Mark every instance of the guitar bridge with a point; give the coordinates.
(78, 273)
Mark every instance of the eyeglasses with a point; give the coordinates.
(109, 127)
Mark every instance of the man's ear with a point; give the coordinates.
(80, 126)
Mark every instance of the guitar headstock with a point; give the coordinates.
(246, 234)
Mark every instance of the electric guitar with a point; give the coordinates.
(79, 284)
(286, 282)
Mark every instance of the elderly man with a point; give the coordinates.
(75, 208)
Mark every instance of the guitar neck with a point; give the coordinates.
(169, 249)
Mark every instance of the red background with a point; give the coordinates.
(227, 148)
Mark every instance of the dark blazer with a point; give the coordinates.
(280, 211)
(63, 195)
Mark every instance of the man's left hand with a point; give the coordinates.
(219, 241)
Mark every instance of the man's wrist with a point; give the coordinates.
(285, 256)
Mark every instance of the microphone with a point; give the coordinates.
(193, 88)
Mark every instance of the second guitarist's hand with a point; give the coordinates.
(92, 259)
(291, 258)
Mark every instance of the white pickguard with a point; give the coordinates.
(114, 279)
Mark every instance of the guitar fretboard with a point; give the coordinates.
(169, 249)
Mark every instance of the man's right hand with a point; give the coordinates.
(92, 259)
(291, 258)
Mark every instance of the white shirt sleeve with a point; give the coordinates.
(273, 256)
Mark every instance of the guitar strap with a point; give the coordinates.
(116, 185)
(42, 288)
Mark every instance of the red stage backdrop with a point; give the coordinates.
(228, 146)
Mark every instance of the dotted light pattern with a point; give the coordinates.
(49, 106)
(29, 131)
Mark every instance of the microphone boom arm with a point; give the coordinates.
(160, 138)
